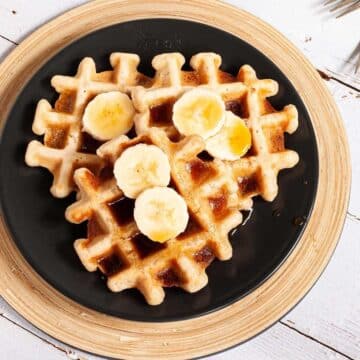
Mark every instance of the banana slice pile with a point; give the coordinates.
(202, 112)
(142, 171)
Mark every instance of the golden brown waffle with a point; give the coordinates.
(215, 191)
(245, 95)
(66, 147)
(128, 258)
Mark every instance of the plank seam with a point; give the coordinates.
(2, 315)
(352, 216)
(7, 39)
(329, 77)
(315, 340)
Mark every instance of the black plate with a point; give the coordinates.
(36, 219)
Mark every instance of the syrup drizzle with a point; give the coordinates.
(161, 115)
(122, 210)
(145, 246)
(111, 264)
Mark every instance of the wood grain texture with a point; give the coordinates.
(84, 328)
(329, 42)
(331, 312)
(5, 47)
(32, 338)
(348, 102)
(15, 20)
(13, 336)
(277, 343)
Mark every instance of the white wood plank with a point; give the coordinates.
(331, 310)
(17, 343)
(328, 42)
(348, 102)
(21, 17)
(279, 342)
(5, 48)
(35, 333)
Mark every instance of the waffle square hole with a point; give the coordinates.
(168, 277)
(218, 205)
(66, 101)
(225, 78)
(200, 170)
(94, 228)
(146, 247)
(204, 256)
(248, 185)
(205, 156)
(111, 263)
(193, 227)
(122, 210)
(237, 107)
(161, 115)
(56, 137)
(191, 78)
(275, 139)
(89, 145)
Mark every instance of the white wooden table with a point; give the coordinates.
(326, 324)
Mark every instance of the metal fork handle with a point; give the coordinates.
(350, 9)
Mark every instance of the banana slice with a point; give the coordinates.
(161, 213)
(199, 112)
(232, 142)
(141, 167)
(109, 115)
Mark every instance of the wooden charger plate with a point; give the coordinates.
(93, 331)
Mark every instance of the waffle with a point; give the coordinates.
(65, 146)
(128, 258)
(245, 95)
(215, 191)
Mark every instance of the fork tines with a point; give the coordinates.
(344, 6)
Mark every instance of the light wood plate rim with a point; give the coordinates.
(92, 331)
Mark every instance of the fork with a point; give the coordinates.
(346, 6)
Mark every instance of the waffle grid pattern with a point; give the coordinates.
(181, 261)
(245, 95)
(62, 151)
(215, 191)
